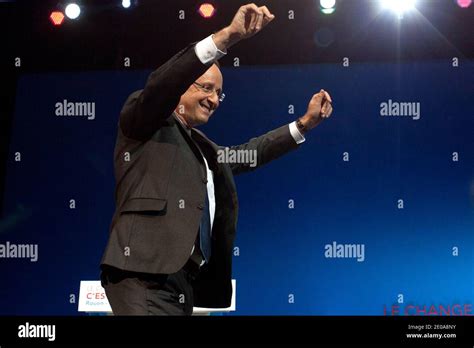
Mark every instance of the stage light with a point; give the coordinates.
(464, 3)
(207, 10)
(327, 6)
(399, 6)
(56, 17)
(126, 3)
(73, 11)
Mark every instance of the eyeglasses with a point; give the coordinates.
(210, 91)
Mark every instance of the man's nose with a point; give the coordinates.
(214, 100)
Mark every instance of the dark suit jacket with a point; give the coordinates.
(158, 168)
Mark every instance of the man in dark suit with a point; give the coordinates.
(172, 234)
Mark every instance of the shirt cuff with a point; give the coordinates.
(295, 133)
(207, 51)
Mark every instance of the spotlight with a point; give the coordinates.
(126, 3)
(464, 3)
(327, 6)
(207, 10)
(56, 17)
(399, 6)
(73, 11)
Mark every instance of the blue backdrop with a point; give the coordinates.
(423, 251)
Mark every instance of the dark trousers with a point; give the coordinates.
(132, 293)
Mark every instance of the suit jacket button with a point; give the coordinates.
(201, 206)
(204, 180)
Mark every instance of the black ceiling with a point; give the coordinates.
(151, 31)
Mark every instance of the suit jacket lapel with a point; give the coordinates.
(207, 147)
(186, 133)
(199, 142)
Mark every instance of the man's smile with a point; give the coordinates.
(205, 108)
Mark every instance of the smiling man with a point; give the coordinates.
(201, 99)
(172, 233)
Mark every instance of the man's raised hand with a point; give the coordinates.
(248, 21)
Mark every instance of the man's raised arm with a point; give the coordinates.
(282, 140)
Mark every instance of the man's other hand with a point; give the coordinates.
(319, 108)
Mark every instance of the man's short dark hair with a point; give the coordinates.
(216, 62)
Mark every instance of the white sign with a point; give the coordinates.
(92, 297)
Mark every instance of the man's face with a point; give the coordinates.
(196, 106)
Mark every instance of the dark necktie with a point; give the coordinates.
(205, 225)
(205, 231)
